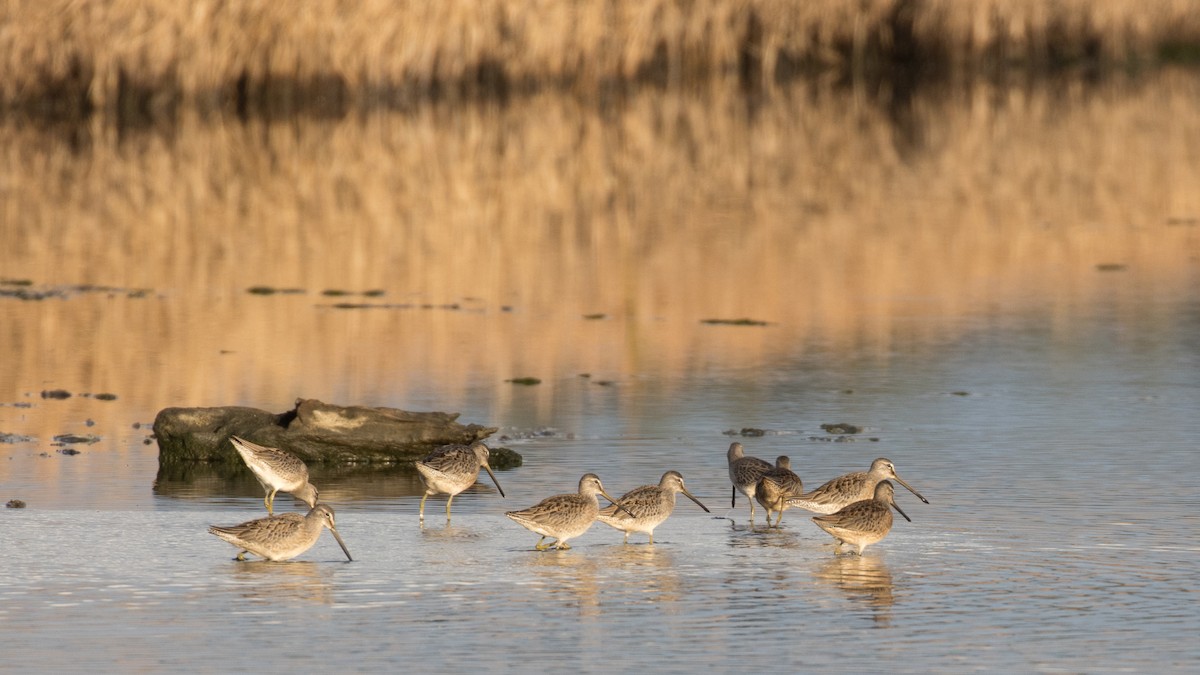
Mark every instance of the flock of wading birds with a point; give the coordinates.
(856, 507)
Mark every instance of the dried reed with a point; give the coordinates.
(150, 56)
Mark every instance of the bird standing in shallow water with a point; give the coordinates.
(744, 473)
(646, 507)
(865, 522)
(451, 469)
(564, 516)
(850, 488)
(277, 471)
(281, 537)
(776, 486)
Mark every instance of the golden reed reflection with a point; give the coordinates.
(833, 218)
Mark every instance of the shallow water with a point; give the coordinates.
(1060, 536)
(1044, 406)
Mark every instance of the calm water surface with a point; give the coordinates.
(1046, 408)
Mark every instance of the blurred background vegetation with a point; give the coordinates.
(140, 59)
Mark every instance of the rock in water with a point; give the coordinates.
(315, 432)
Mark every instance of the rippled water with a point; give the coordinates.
(1060, 536)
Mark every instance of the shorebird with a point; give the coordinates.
(564, 516)
(776, 486)
(864, 522)
(451, 469)
(278, 471)
(281, 537)
(852, 487)
(646, 507)
(744, 473)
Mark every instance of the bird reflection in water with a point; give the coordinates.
(753, 536)
(450, 533)
(272, 583)
(655, 569)
(568, 580)
(865, 580)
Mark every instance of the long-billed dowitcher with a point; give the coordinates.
(744, 473)
(776, 486)
(864, 522)
(281, 537)
(852, 487)
(453, 468)
(646, 507)
(278, 471)
(563, 516)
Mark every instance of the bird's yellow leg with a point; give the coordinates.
(423, 498)
(448, 506)
(242, 556)
(269, 500)
(540, 546)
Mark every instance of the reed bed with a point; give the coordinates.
(152, 56)
(817, 213)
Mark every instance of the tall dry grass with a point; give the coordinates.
(150, 56)
(833, 219)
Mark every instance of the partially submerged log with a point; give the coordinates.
(314, 431)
